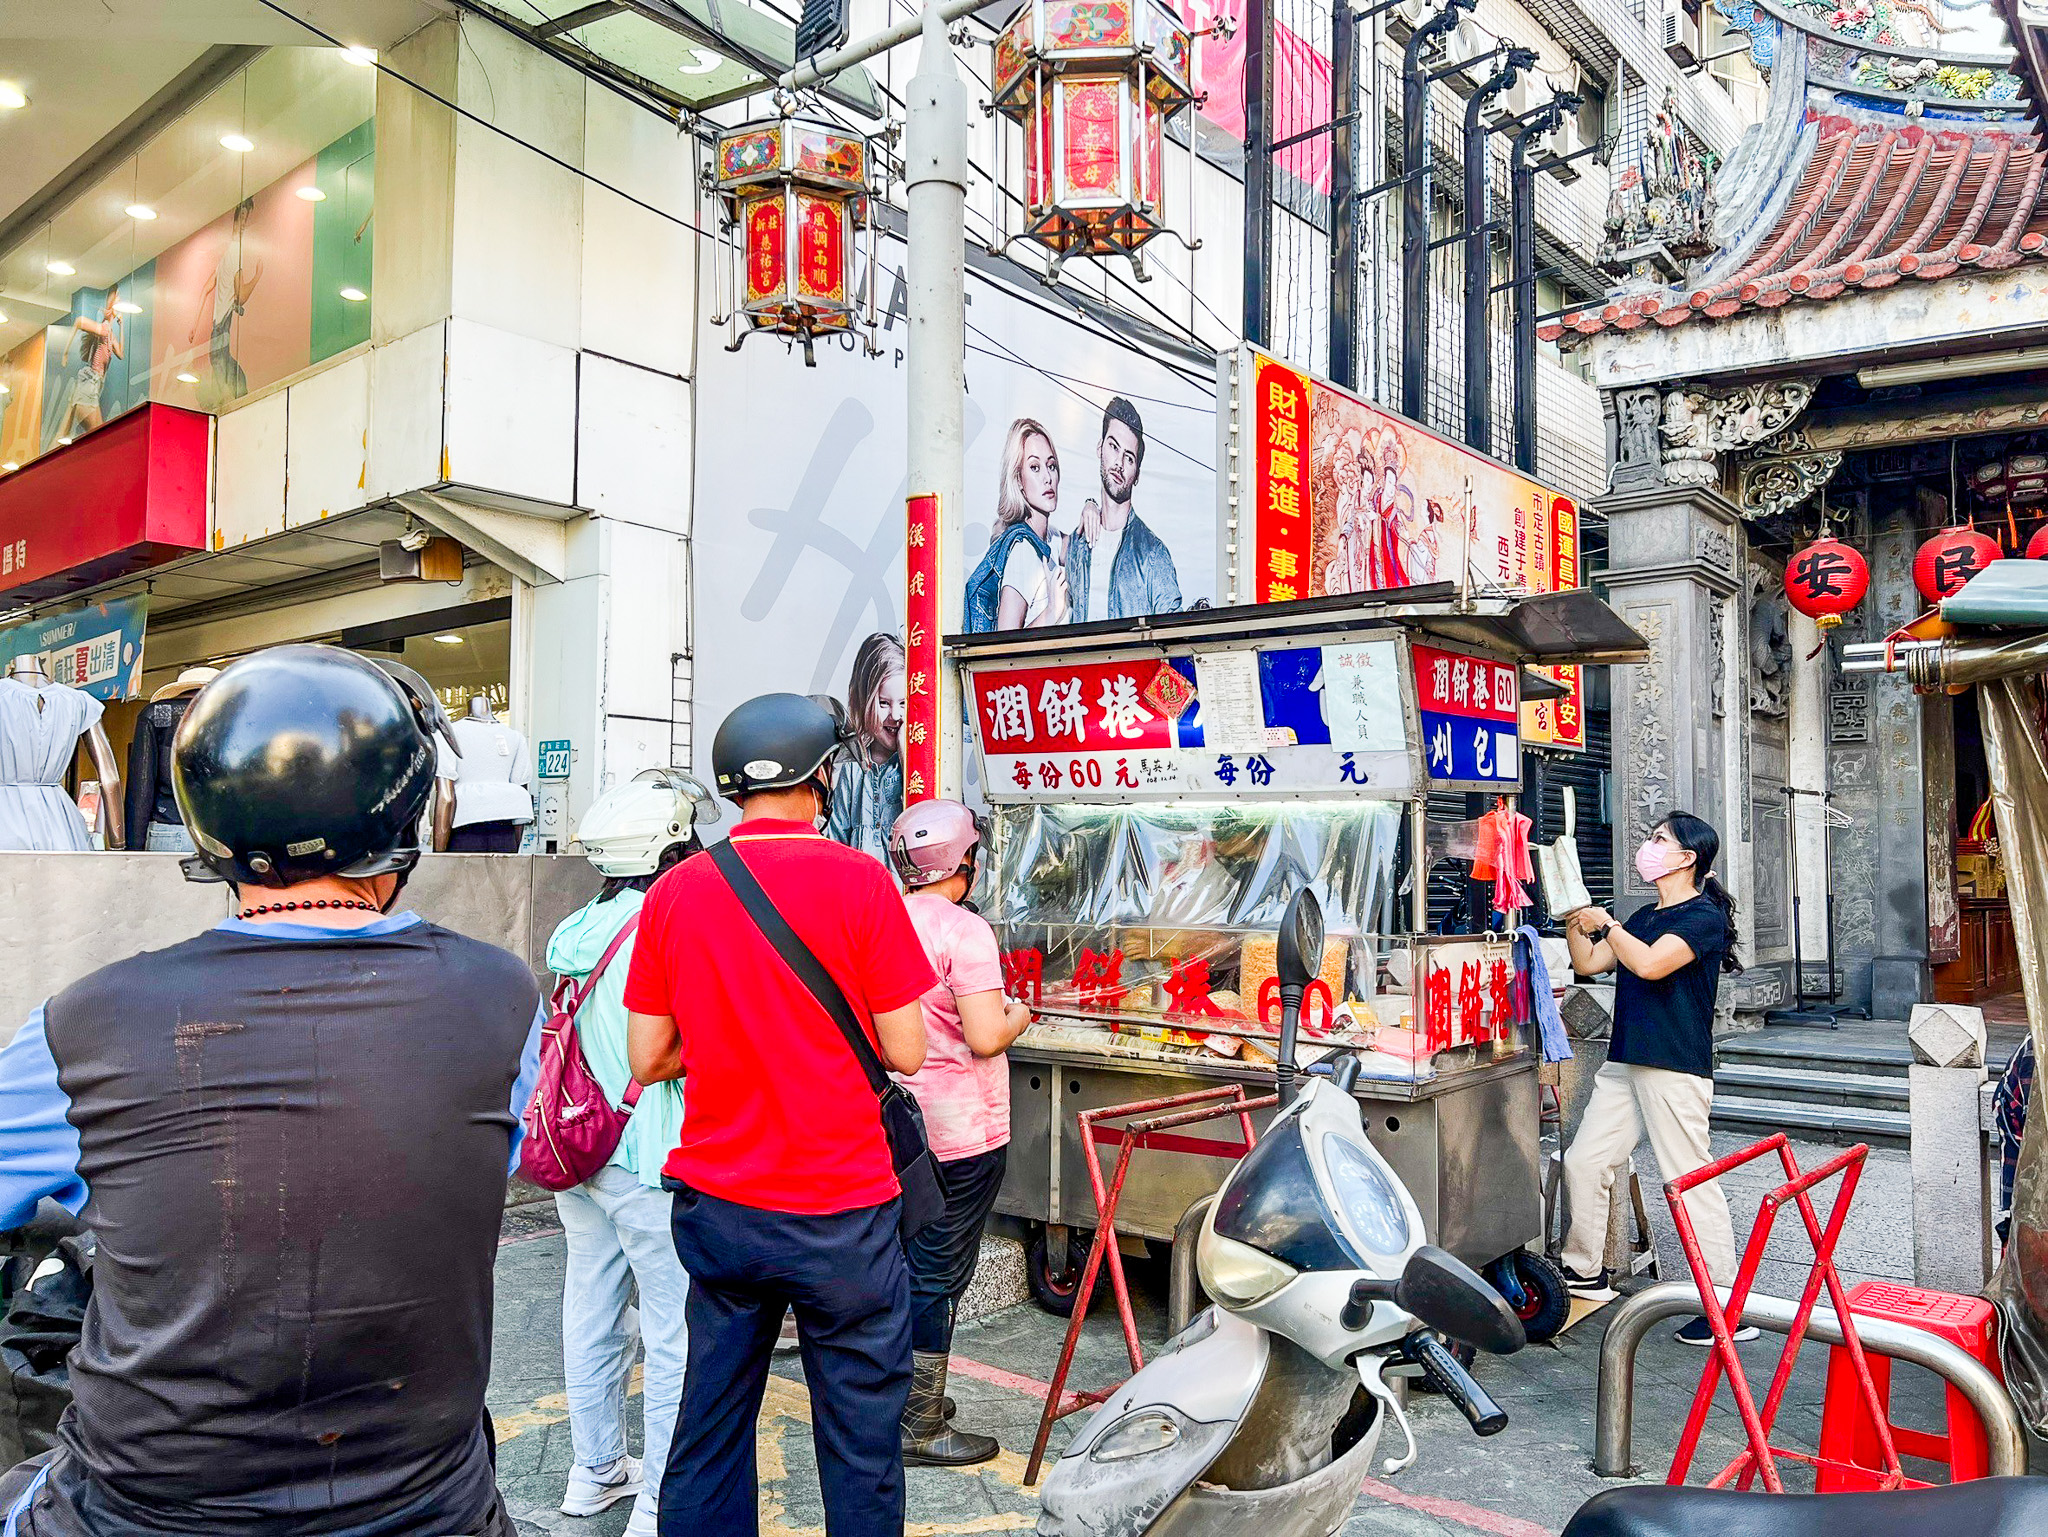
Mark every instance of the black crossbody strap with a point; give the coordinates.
(800, 959)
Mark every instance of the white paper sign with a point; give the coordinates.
(1233, 710)
(1362, 697)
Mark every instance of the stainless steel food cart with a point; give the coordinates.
(1162, 787)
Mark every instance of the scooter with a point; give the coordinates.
(1265, 1414)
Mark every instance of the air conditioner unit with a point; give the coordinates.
(1517, 99)
(1681, 35)
(1566, 142)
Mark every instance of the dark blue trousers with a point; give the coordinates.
(845, 1277)
(942, 1257)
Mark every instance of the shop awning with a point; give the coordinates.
(2004, 592)
(119, 501)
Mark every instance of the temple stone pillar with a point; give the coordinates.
(1675, 569)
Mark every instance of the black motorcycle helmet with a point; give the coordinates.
(304, 761)
(774, 742)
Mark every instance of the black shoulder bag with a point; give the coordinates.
(910, 1151)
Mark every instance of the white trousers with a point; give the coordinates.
(1673, 1107)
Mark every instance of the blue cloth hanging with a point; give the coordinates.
(1550, 1038)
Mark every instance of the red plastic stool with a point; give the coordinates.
(1846, 1432)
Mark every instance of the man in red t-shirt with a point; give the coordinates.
(785, 1194)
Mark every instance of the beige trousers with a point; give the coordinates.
(1673, 1108)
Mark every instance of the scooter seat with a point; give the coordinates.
(1981, 1507)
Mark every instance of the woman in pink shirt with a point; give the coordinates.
(964, 1090)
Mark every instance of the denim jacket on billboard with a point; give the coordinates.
(1141, 581)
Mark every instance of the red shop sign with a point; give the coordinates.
(1095, 707)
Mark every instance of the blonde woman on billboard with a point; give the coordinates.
(1021, 582)
(867, 783)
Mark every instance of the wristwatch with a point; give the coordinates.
(1594, 936)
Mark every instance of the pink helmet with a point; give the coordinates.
(932, 840)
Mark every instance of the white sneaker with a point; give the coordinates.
(593, 1490)
(642, 1523)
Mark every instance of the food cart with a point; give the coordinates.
(1162, 787)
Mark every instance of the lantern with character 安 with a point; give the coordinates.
(1825, 580)
(1092, 85)
(795, 194)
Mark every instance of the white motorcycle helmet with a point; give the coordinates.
(627, 830)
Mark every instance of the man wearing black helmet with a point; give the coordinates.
(785, 1191)
(290, 1135)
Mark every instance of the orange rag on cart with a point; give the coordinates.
(1504, 847)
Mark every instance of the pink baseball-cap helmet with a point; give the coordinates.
(932, 840)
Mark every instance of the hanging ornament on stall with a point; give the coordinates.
(796, 210)
(1092, 88)
(1825, 580)
(1950, 559)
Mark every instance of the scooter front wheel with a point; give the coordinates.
(1055, 1280)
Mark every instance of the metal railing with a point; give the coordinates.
(1614, 1423)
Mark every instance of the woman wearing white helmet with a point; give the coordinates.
(617, 1222)
(964, 1091)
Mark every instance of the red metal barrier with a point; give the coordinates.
(1760, 1458)
(1161, 1120)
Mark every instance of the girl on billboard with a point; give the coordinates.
(1021, 582)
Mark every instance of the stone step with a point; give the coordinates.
(1837, 1124)
(1874, 1049)
(1863, 1091)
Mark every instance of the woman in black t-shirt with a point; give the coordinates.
(1659, 1077)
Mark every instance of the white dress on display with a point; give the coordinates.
(39, 731)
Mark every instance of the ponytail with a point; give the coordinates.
(1698, 836)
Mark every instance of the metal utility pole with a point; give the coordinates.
(1343, 206)
(1478, 239)
(1415, 206)
(1522, 206)
(1258, 164)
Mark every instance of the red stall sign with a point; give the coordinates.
(922, 666)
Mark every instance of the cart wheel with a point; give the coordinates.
(1546, 1299)
(1054, 1286)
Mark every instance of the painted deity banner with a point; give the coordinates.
(1344, 496)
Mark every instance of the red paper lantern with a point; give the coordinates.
(1825, 580)
(1950, 559)
(2037, 546)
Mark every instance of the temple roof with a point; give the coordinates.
(1879, 162)
(1876, 204)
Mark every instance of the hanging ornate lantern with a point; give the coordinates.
(1092, 85)
(1825, 580)
(1950, 559)
(795, 194)
(2037, 544)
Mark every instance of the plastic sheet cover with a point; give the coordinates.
(2012, 713)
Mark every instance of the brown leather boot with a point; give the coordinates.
(928, 1440)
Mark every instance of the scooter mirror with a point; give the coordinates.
(1299, 951)
(1448, 1295)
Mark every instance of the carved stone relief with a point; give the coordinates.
(1770, 646)
(1638, 450)
(1717, 630)
(1848, 717)
(1700, 424)
(1769, 485)
(1714, 547)
(1646, 789)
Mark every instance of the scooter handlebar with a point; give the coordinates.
(1456, 1384)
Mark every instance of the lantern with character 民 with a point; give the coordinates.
(1091, 86)
(1949, 559)
(798, 242)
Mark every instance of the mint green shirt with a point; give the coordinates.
(578, 945)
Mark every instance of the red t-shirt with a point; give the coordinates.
(777, 1113)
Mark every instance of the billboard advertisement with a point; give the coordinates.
(1346, 497)
(97, 648)
(1090, 493)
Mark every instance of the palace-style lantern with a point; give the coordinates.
(1950, 559)
(2037, 544)
(798, 243)
(1091, 85)
(1825, 580)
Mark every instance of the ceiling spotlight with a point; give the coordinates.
(140, 211)
(448, 640)
(354, 295)
(11, 99)
(241, 144)
(10, 465)
(312, 194)
(124, 307)
(363, 56)
(188, 378)
(60, 269)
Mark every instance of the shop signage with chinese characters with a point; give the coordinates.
(1470, 711)
(1328, 720)
(555, 757)
(1335, 495)
(921, 660)
(97, 649)
(1467, 992)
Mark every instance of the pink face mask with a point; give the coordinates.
(1651, 862)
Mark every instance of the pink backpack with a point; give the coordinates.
(571, 1128)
